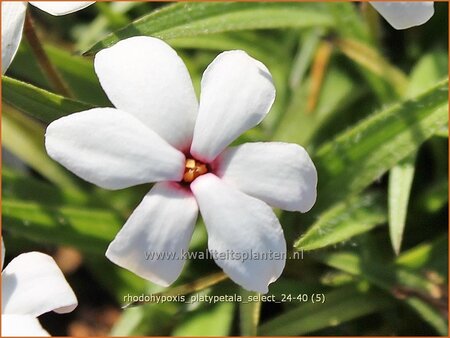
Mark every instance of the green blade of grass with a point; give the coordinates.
(343, 221)
(193, 19)
(87, 230)
(37, 102)
(360, 155)
(341, 305)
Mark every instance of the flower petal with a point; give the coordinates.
(58, 8)
(32, 284)
(13, 18)
(280, 174)
(237, 93)
(152, 241)
(144, 76)
(3, 254)
(22, 326)
(405, 14)
(112, 149)
(240, 225)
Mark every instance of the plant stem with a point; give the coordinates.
(50, 71)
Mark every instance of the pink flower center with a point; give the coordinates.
(193, 169)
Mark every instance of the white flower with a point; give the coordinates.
(405, 14)
(32, 284)
(159, 133)
(13, 18)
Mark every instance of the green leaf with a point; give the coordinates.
(24, 137)
(410, 287)
(357, 157)
(369, 58)
(249, 41)
(400, 182)
(249, 313)
(431, 256)
(154, 319)
(78, 73)
(302, 61)
(38, 102)
(88, 230)
(345, 220)
(340, 306)
(193, 19)
(430, 69)
(338, 91)
(349, 22)
(17, 186)
(435, 197)
(213, 320)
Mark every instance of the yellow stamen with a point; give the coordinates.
(193, 169)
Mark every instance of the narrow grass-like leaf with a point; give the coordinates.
(37, 102)
(213, 320)
(429, 255)
(341, 305)
(88, 230)
(17, 186)
(303, 59)
(369, 58)
(24, 137)
(349, 22)
(192, 19)
(347, 219)
(77, 72)
(357, 157)
(416, 291)
(338, 91)
(435, 197)
(424, 75)
(155, 319)
(400, 182)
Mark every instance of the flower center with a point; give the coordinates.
(193, 169)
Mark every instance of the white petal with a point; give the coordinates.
(61, 7)
(144, 76)
(237, 93)
(152, 241)
(244, 225)
(22, 326)
(3, 253)
(112, 149)
(405, 14)
(280, 174)
(13, 18)
(32, 284)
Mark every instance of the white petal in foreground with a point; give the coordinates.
(13, 17)
(3, 254)
(22, 326)
(405, 14)
(237, 93)
(144, 76)
(152, 241)
(112, 149)
(280, 174)
(243, 225)
(61, 7)
(32, 284)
